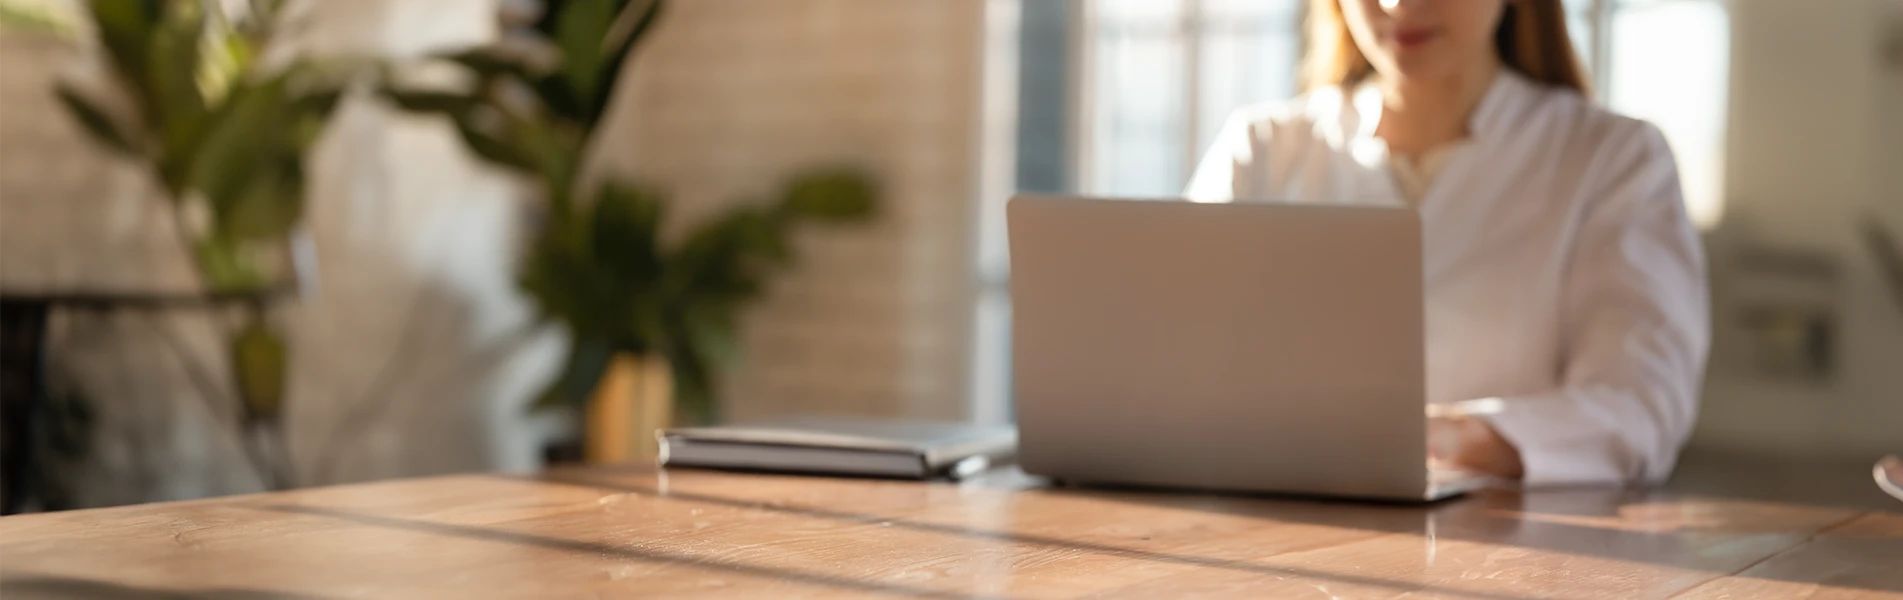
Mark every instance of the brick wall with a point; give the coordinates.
(71, 218)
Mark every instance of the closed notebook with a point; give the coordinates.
(867, 448)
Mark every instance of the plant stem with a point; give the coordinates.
(361, 414)
(258, 436)
(366, 411)
(260, 462)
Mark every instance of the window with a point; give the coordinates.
(1668, 62)
(1162, 76)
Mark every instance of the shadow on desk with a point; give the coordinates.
(1663, 528)
(32, 587)
(1837, 483)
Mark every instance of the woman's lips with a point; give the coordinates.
(1409, 39)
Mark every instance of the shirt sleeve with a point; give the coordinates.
(1221, 175)
(1636, 321)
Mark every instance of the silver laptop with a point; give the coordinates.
(1246, 347)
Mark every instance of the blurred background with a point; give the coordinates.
(400, 331)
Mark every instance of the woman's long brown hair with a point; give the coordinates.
(1532, 39)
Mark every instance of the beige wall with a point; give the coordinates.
(731, 97)
(71, 218)
(1816, 145)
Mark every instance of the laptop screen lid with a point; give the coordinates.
(1248, 346)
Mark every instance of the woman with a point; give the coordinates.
(1563, 276)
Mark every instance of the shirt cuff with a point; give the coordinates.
(1562, 442)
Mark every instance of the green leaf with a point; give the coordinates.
(588, 359)
(568, 285)
(259, 357)
(306, 129)
(764, 235)
(705, 346)
(544, 278)
(693, 387)
(719, 263)
(271, 203)
(319, 103)
(489, 62)
(581, 33)
(315, 99)
(627, 224)
(184, 151)
(550, 17)
(35, 19)
(177, 107)
(447, 103)
(710, 332)
(492, 148)
(225, 266)
(246, 132)
(226, 57)
(626, 262)
(837, 196)
(125, 27)
(96, 121)
(634, 24)
(646, 320)
(553, 148)
(561, 101)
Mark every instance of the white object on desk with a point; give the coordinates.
(1886, 474)
(1469, 408)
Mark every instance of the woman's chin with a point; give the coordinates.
(1425, 67)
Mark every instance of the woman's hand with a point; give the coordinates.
(1471, 444)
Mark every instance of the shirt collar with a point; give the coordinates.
(1508, 90)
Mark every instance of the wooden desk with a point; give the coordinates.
(585, 534)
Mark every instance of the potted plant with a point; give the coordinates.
(188, 94)
(652, 320)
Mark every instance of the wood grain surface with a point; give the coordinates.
(637, 532)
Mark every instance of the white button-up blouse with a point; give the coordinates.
(1562, 273)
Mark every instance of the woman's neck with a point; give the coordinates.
(1420, 115)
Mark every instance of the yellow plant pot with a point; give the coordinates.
(634, 400)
